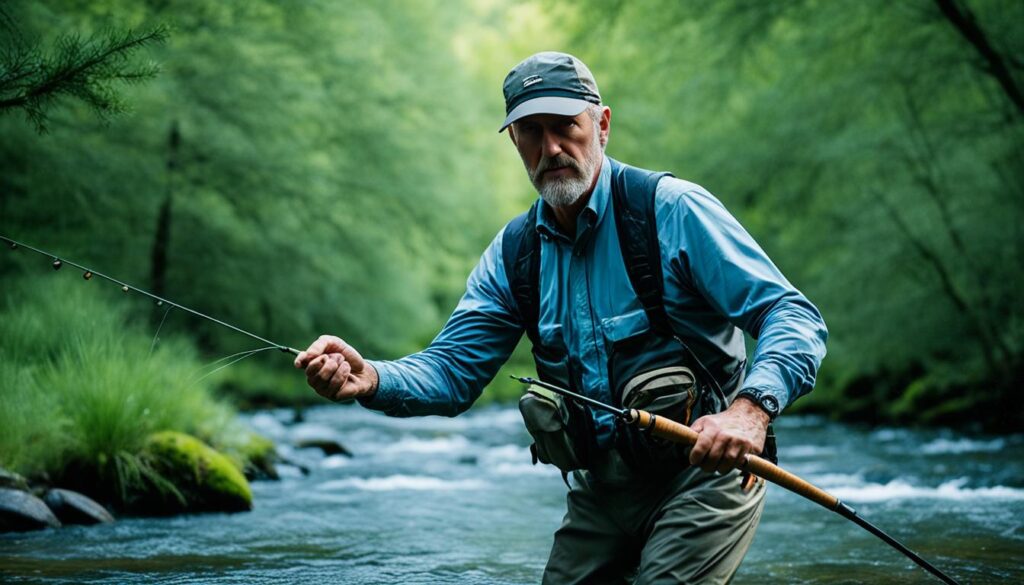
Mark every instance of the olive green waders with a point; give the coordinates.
(693, 528)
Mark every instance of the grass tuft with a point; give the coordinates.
(82, 391)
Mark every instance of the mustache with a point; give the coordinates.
(555, 162)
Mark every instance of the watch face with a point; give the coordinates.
(770, 404)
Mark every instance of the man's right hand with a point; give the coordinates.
(336, 370)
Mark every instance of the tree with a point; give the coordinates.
(33, 77)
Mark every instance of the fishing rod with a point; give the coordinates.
(88, 273)
(671, 430)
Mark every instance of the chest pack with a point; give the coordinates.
(652, 369)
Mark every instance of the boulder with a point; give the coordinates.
(75, 508)
(11, 480)
(21, 511)
(318, 436)
(258, 456)
(327, 445)
(202, 479)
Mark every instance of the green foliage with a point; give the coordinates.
(84, 390)
(30, 442)
(33, 78)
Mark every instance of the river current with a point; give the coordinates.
(436, 500)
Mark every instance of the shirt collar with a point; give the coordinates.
(590, 216)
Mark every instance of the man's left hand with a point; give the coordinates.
(725, 439)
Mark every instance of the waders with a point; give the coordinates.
(672, 431)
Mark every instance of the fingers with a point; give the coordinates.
(323, 345)
(320, 371)
(717, 449)
(700, 449)
(734, 456)
(336, 385)
(715, 452)
(330, 375)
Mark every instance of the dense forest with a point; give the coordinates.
(310, 167)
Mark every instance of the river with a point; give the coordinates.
(435, 500)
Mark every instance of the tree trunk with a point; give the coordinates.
(963, 21)
(161, 240)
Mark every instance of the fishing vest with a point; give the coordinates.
(653, 369)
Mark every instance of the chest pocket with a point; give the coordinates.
(551, 357)
(622, 327)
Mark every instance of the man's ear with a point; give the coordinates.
(605, 124)
(511, 135)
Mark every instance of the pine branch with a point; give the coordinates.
(83, 69)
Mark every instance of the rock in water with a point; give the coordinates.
(75, 508)
(205, 480)
(9, 479)
(21, 511)
(328, 446)
(258, 455)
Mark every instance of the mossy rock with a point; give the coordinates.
(255, 456)
(205, 480)
(11, 480)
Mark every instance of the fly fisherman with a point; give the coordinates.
(633, 287)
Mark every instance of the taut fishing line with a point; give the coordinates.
(88, 273)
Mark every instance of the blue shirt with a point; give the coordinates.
(717, 282)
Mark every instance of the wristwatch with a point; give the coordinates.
(767, 402)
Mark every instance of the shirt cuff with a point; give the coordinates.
(765, 381)
(388, 396)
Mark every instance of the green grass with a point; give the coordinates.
(82, 389)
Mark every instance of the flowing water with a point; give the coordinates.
(435, 500)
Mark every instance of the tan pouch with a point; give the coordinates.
(547, 421)
(669, 392)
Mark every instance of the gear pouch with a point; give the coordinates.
(671, 392)
(556, 426)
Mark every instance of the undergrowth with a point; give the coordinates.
(82, 386)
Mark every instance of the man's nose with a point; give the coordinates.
(551, 144)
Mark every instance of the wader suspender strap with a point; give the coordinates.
(633, 193)
(520, 253)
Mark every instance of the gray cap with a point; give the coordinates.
(548, 83)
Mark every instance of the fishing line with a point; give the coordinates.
(88, 273)
(157, 334)
(244, 354)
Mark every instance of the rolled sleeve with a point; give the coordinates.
(727, 267)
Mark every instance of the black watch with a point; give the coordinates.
(767, 402)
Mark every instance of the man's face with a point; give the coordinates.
(562, 154)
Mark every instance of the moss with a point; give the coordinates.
(254, 455)
(206, 479)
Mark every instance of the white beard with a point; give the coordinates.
(564, 191)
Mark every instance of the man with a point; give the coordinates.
(636, 509)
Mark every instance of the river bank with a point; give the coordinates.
(435, 500)
(95, 404)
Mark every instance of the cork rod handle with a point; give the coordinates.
(672, 431)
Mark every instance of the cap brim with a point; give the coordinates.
(560, 106)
